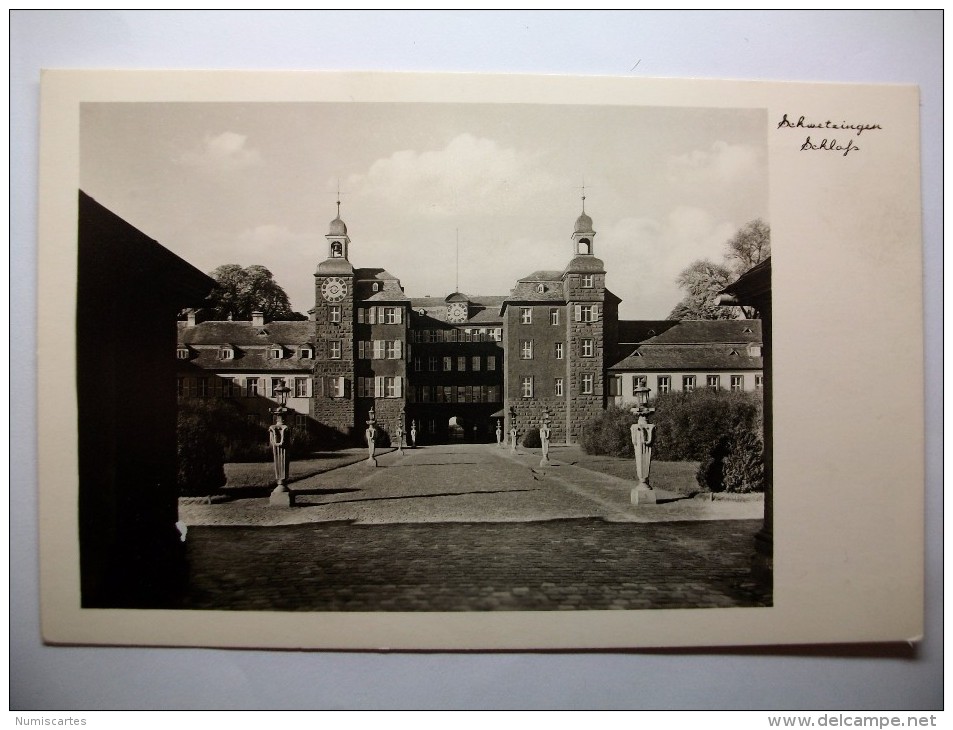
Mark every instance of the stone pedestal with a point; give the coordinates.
(545, 460)
(371, 461)
(281, 498)
(642, 494)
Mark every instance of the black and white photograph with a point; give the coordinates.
(428, 357)
(436, 362)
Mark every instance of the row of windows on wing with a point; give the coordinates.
(380, 386)
(582, 312)
(274, 352)
(446, 363)
(587, 348)
(587, 385)
(689, 383)
(454, 394)
(247, 387)
(471, 334)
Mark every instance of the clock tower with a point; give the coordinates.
(333, 402)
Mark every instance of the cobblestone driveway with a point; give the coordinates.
(470, 527)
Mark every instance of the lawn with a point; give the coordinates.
(245, 475)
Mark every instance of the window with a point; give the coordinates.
(277, 353)
(664, 383)
(475, 363)
(337, 387)
(527, 390)
(334, 312)
(587, 312)
(737, 382)
(688, 383)
(462, 364)
(334, 349)
(587, 281)
(540, 288)
(225, 353)
(447, 363)
(301, 387)
(375, 287)
(390, 316)
(558, 387)
(182, 353)
(462, 394)
(493, 394)
(759, 381)
(554, 316)
(301, 421)
(275, 384)
(754, 350)
(491, 362)
(392, 349)
(305, 352)
(498, 334)
(180, 390)
(638, 381)
(526, 315)
(228, 387)
(365, 387)
(586, 387)
(559, 351)
(434, 364)
(418, 364)
(251, 387)
(615, 385)
(713, 382)
(526, 350)
(587, 348)
(390, 387)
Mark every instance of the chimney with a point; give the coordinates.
(194, 316)
(258, 319)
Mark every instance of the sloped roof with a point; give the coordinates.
(689, 357)
(689, 331)
(525, 291)
(374, 274)
(245, 361)
(484, 309)
(545, 275)
(243, 333)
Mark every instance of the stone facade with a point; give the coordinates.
(458, 365)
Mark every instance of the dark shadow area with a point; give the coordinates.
(299, 503)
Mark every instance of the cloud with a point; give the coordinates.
(224, 152)
(469, 176)
(644, 256)
(722, 164)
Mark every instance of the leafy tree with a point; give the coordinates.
(704, 279)
(241, 291)
(749, 246)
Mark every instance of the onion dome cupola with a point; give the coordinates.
(338, 242)
(583, 235)
(337, 237)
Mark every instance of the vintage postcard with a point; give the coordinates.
(438, 362)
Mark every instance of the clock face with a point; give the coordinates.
(457, 312)
(334, 289)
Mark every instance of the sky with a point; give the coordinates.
(257, 183)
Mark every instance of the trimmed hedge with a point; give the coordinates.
(688, 425)
(608, 433)
(531, 439)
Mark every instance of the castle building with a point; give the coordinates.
(458, 366)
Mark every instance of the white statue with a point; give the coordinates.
(499, 433)
(544, 434)
(643, 436)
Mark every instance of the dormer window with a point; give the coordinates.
(754, 350)
(277, 353)
(337, 250)
(182, 353)
(226, 353)
(306, 352)
(540, 288)
(375, 287)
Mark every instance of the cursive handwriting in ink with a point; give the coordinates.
(830, 145)
(786, 123)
